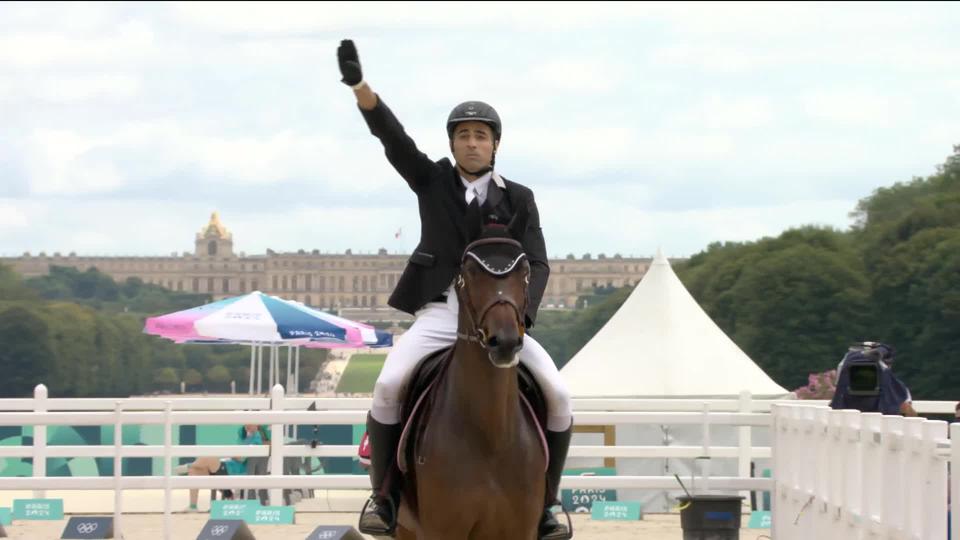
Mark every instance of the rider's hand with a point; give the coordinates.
(349, 63)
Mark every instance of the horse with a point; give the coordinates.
(475, 465)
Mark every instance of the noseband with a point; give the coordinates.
(497, 269)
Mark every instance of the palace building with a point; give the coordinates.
(357, 285)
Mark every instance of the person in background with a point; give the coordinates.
(213, 466)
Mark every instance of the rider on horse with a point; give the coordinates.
(453, 199)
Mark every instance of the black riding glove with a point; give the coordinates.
(349, 63)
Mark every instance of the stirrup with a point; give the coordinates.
(386, 531)
(561, 532)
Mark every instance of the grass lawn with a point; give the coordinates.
(361, 373)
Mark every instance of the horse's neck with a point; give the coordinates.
(484, 395)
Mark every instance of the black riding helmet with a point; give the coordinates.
(476, 111)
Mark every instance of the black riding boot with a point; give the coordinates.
(558, 442)
(379, 516)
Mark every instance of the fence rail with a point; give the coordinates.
(825, 462)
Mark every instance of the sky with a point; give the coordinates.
(123, 126)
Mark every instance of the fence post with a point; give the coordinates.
(937, 490)
(822, 481)
(705, 458)
(117, 469)
(893, 493)
(776, 507)
(954, 477)
(744, 454)
(40, 439)
(167, 468)
(916, 472)
(276, 445)
(851, 464)
(871, 474)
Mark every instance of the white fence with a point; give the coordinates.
(279, 411)
(850, 475)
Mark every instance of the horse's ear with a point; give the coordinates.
(518, 223)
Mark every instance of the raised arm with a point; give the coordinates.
(412, 164)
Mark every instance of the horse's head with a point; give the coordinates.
(492, 290)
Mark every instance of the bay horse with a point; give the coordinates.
(476, 463)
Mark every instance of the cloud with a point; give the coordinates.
(677, 123)
(59, 89)
(129, 41)
(11, 216)
(862, 108)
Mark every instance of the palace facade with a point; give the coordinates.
(356, 284)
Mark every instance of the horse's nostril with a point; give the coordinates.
(493, 342)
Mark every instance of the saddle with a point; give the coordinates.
(417, 402)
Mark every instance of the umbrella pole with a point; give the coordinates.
(289, 368)
(273, 358)
(259, 368)
(296, 374)
(253, 361)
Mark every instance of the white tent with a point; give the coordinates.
(661, 343)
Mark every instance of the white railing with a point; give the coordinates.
(851, 475)
(279, 411)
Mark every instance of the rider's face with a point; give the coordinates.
(473, 145)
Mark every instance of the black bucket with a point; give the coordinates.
(710, 517)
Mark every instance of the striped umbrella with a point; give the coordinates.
(258, 319)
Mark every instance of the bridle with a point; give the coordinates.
(475, 318)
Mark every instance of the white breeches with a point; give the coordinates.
(435, 328)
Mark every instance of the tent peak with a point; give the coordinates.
(659, 258)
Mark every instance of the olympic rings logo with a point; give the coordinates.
(87, 528)
(219, 530)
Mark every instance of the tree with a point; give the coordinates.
(791, 302)
(218, 378)
(12, 286)
(166, 379)
(192, 378)
(26, 356)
